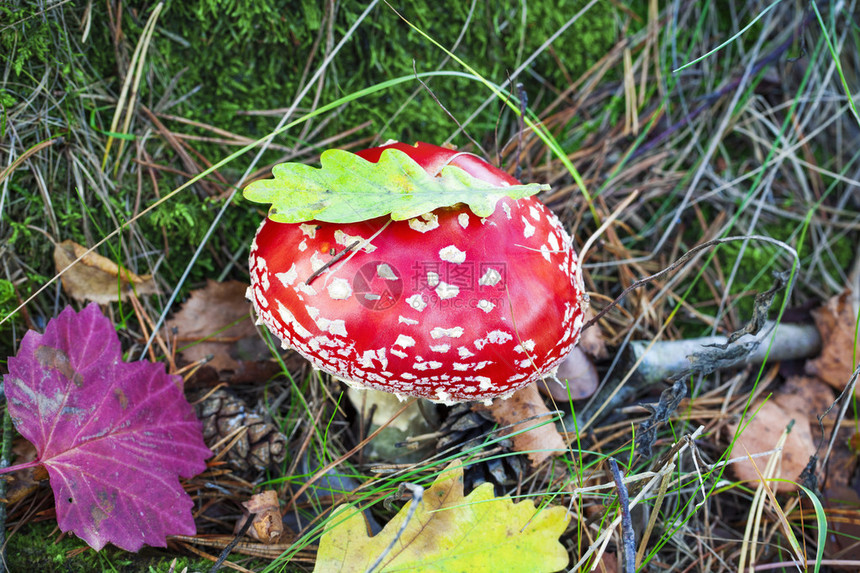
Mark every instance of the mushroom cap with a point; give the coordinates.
(447, 306)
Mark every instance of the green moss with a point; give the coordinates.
(239, 55)
(26, 35)
(39, 547)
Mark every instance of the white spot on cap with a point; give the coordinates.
(446, 291)
(342, 238)
(499, 336)
(443, 396)
(534, 213)
(337, 327)
(461, 367)
(464, 352)
(289, 277)
(544, 250)
(507, 209)
(452, 254)
(431, 365)
(404, 320)
(528, 228)
(339, 289)
(491, 278)
(371, 296)
(417, 302)
(399, 354)
(303, 246)
(316, 262)
(432, 278)
(494, 337)
(526, 346)
(308, 230)
(369, 356)
(484, 383)
(486, 305)
(430, 222)
(404, 341)
(553, 241)
(260, 296)
(307, 289)
(288, 319)
(463, 219)
(313, 312)
(440, 347)
(383, 271)
(264, 280)
(453, 332)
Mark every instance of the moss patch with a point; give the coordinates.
(40, 547)
(230, 56)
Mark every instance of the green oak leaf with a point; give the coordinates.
(348, 188)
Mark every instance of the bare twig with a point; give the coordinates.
(417, 498)
(232, 544)
(627, 535)
(332, 261)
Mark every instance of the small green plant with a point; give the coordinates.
(25, 35)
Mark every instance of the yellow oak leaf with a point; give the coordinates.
(450, 532)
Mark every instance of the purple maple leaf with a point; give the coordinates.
(113, 436)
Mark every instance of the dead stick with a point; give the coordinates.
(333, 260)
(627, 535)
(667, 359)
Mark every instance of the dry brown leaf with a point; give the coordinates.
(267, 525)
(542, 442)
(96, 278)
(219, 314)
(837, 322)
(806, 394)
(762, 435)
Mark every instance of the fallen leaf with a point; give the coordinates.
(96, 278)
(348, 188)
(449, 532)
(113, 436)
(837, 322)
(806, 394)
(267, 525)
(762, 435)
(542, 442)
(214, 322)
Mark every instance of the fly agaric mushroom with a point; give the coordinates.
(447, 306)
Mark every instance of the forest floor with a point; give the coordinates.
(703, 156)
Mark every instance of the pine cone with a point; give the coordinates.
(260, 447)
(465, 429)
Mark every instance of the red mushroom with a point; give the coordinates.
(447, 306)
